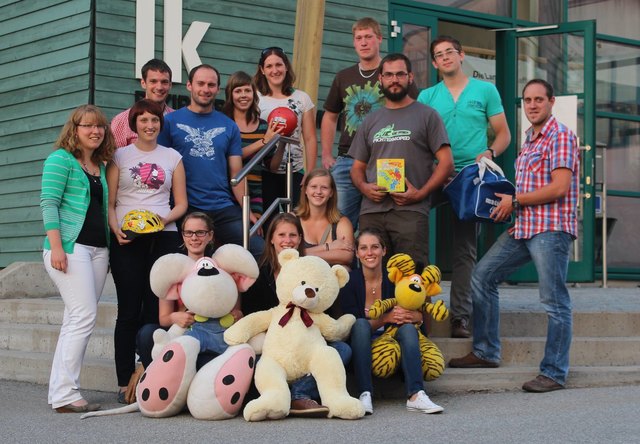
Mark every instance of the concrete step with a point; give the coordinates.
(42, 338)
(97, 374)
(512, 323)
(585, 323)
(511, 378)
(50, 311)
(528, 351)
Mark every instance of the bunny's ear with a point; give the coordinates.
(242, 281)
(167, 274)
(235, 259)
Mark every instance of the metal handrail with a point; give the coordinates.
(247, 230)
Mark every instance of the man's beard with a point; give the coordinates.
(396, 96)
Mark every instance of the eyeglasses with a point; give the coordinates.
(93, 126)
(398, 75)
(448, 53)
(266, 51)
(199, 233)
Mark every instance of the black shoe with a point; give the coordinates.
(460, 329)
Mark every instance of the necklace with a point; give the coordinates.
(373, 285)
(366, 77)
(95, 178)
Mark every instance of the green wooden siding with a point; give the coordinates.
(45, 73)
(45, 54)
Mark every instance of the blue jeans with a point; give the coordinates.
(410, 358)
(227, 228)
(349, 196)
(549, 252)
(305, 387)
(210, 334)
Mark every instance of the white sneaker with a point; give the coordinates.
(423, 404)
(365, 399)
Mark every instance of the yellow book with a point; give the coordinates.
(390, 175)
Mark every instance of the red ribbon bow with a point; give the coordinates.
(303, 314)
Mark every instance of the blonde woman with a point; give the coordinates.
(76, 256)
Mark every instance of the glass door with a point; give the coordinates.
(410, 33)
(564, 55)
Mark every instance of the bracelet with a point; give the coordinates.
(493, 153)
(263, 142)
(326, 246)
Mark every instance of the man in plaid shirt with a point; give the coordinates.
(156, 82)
(547, 186)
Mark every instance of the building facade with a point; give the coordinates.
(56, 55)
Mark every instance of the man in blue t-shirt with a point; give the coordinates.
(466, 106)
(212, 153)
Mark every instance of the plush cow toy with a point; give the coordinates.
(209, 288)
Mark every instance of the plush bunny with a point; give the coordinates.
(209, 288)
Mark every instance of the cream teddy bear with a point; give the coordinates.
(295, 342)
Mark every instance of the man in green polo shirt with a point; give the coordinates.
(466, 106)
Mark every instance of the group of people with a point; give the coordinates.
(177, 164)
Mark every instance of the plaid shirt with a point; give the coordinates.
(555, 147)
(121, 131)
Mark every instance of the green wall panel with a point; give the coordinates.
(45, 73)
(45, 48)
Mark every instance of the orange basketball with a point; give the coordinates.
(285, 118)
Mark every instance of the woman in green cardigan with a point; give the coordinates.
(74, 211)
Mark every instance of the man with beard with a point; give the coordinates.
(354, 94)
(212, 153)
(408, 130)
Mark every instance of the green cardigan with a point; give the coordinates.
(65, 197)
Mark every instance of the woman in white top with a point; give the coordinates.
(142, 176)
(274, 80)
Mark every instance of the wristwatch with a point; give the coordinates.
(515, 203)
(493, 153)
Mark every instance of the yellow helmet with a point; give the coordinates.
(138, 222)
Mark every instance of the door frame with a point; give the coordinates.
(582, 270)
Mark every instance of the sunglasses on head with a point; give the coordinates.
(266, 51)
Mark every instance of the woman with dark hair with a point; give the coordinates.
(327, 234)
(142, 176)
(74, 211)
(274, 80)
(241, 105)
(366, 285)
(284, 232)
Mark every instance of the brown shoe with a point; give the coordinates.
(460, 329)
(541, 384)
(70, 408)
(472, 361)
(308, 408)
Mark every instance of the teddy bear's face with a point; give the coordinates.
(209, 290)
(309, 282)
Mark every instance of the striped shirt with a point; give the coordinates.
(65, 197)
(554, 147)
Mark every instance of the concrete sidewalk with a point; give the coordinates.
(585, 416)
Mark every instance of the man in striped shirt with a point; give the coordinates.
(156, 82)
(547, 186)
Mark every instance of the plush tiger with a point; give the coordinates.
(412, 292)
